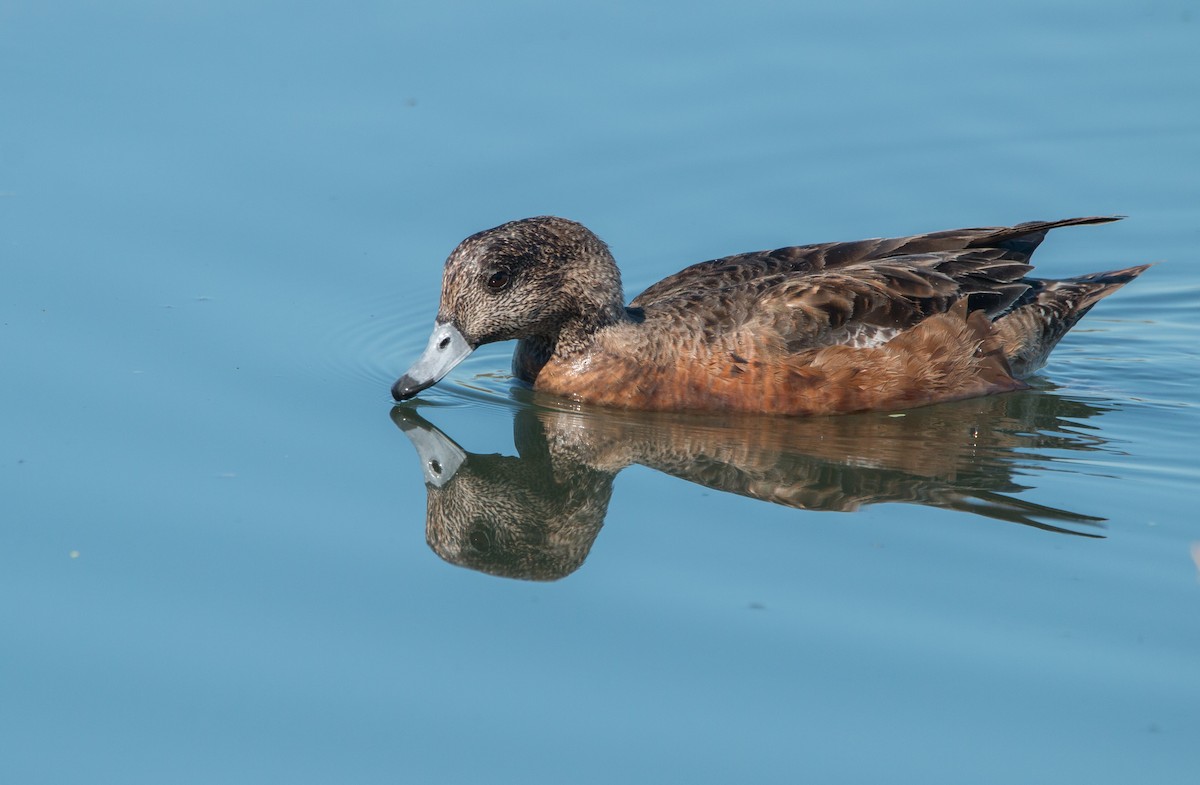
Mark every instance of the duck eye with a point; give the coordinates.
(499, 280)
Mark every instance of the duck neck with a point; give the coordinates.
(574, 338)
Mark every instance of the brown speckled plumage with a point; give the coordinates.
(818, 329)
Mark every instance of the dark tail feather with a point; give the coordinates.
(1031, 330)
(1110, 281)
(1023, 239)
(1077, 295)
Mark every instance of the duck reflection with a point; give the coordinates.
(536, 516)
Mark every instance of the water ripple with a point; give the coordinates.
(374, 341)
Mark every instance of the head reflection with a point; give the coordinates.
(505, 515)
(535, 515)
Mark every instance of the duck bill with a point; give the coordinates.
(447, 348)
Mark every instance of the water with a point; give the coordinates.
(221, 230)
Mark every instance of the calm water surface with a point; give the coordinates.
(225, 557)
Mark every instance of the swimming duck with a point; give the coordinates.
(832, 328)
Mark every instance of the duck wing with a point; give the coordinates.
(1008, 243)
(858, 305)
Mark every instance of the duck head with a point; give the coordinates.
(536, 277)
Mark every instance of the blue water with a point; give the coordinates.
(221, 234)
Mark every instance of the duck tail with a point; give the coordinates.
(1023, 239)
(1031, 330)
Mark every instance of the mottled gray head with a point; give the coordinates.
(522, 279)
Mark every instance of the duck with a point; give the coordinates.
(883, 324)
